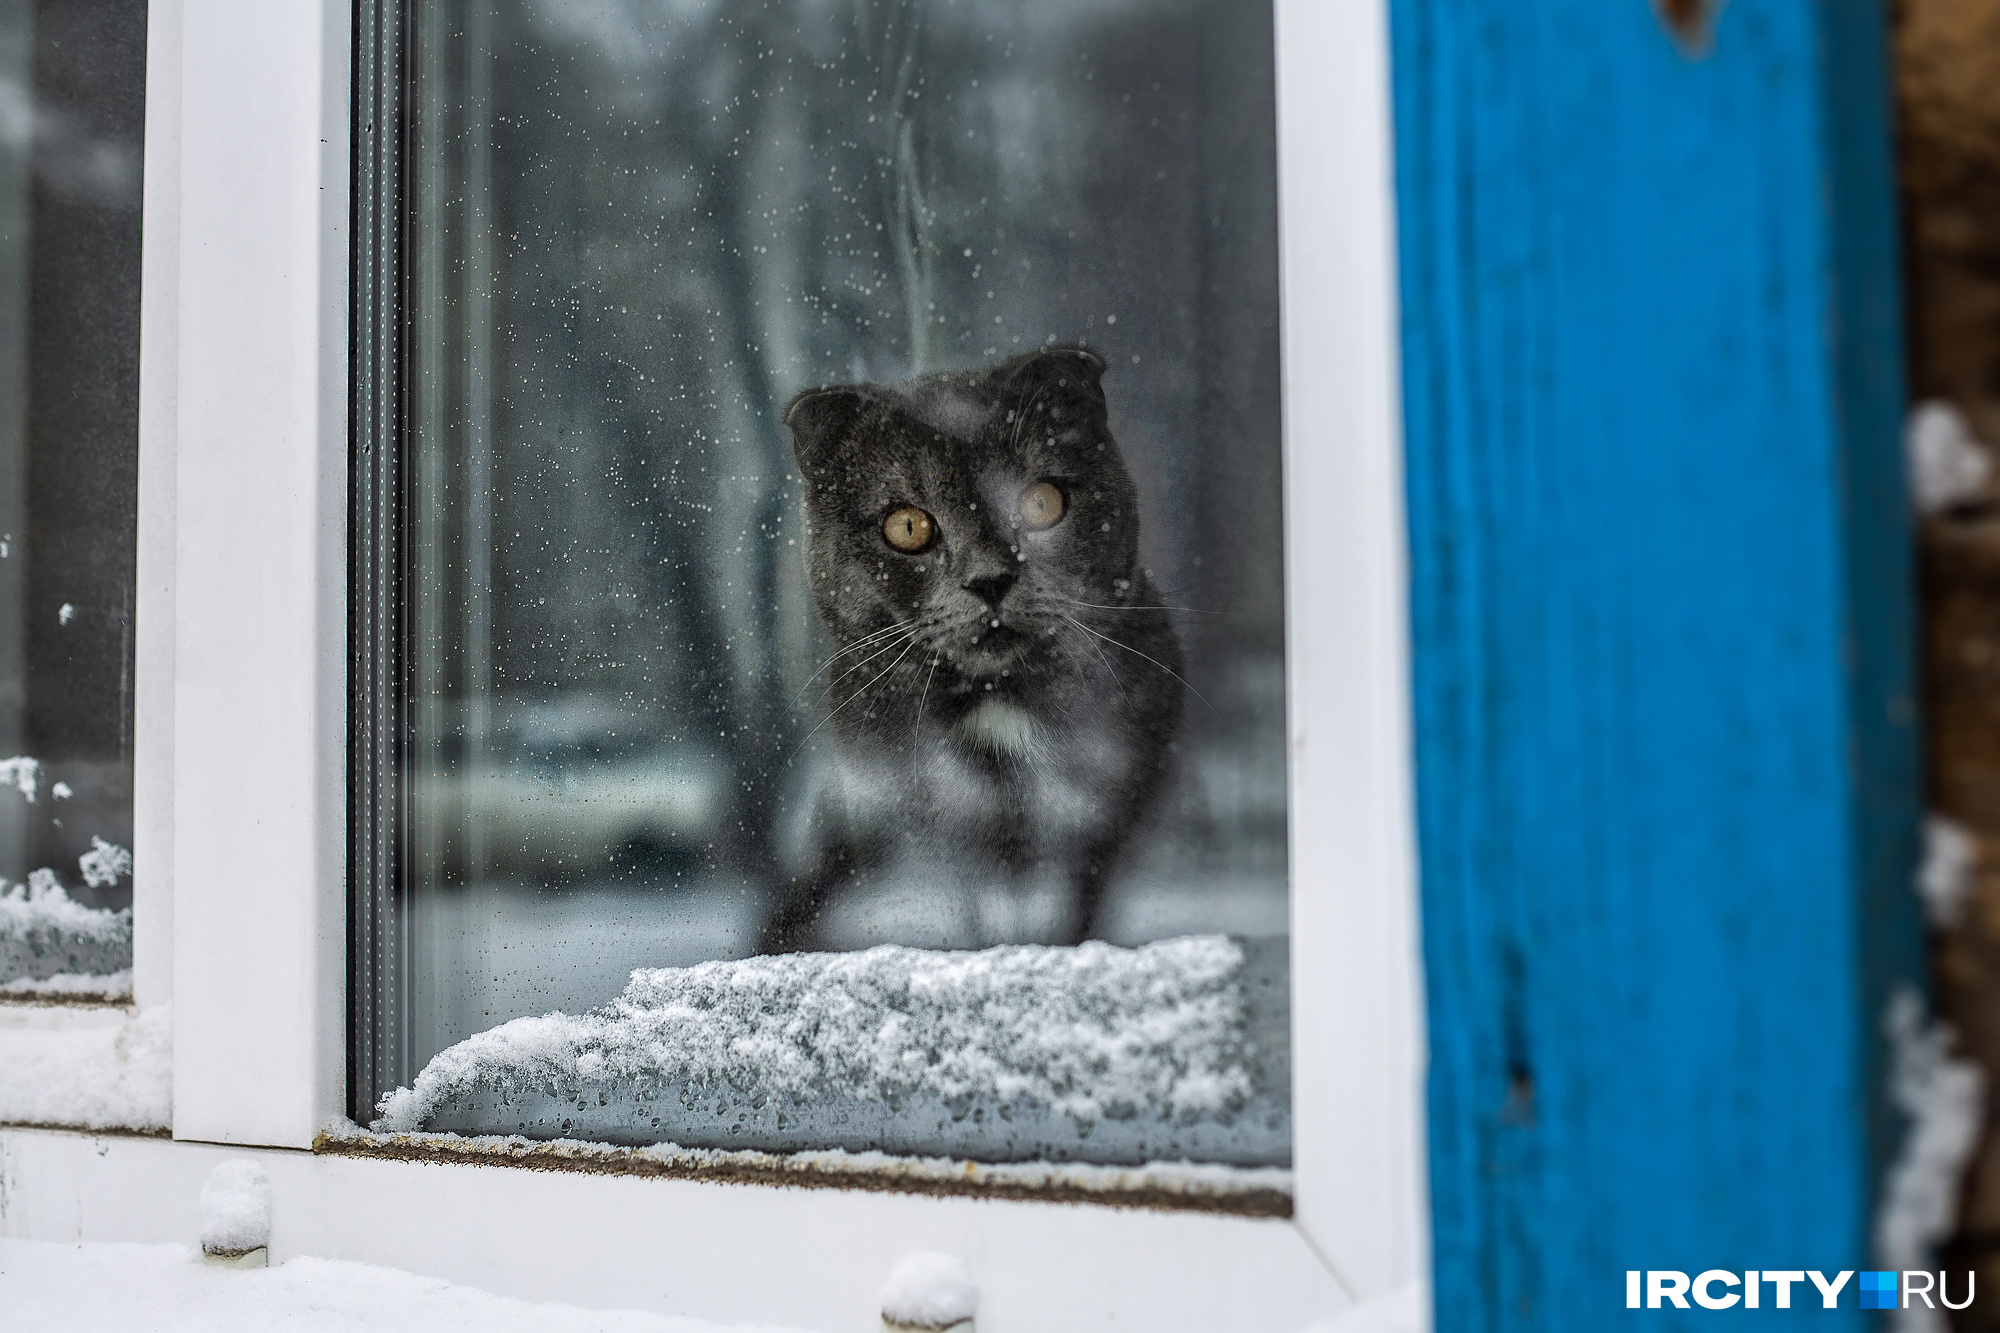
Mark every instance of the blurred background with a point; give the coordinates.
(639, 227)
(72, 108)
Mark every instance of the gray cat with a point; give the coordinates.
(1006, 687)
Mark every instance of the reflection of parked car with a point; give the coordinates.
(564, 792)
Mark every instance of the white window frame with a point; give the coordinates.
(242, 750)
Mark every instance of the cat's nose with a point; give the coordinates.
(990, 586)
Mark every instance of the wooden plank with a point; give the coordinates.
(1661, 627)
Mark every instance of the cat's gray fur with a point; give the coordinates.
(970, 758)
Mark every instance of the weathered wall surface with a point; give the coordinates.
(1948, 86)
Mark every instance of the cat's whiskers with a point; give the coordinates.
(865, 639)
(907, 645)
(908, 635)
(1099, 606)
(839, 653)
(918, 729)
(1109, 670)
(1154, 660)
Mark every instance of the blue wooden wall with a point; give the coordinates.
(1667, 781)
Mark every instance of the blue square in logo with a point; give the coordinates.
(1879, 1290)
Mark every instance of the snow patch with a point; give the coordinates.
(59, 1288)
(44, 933)
(23, 774)
(236, 1208)
(114, 987)
(104, 864)
(1944, 879)
(929, 1291)
(1944, 1099)
(61, 791)
(1089, 1032)
(93, 1078)
(65, 614)
(1947, 465)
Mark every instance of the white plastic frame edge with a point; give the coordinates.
(242, 632)
(1359, 1144)
(247, 315)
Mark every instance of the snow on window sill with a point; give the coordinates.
(1160, 1186)
(70, 988)
(86, 1069)
(1175, 1049)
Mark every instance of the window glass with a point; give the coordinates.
(72, 102)
(845, 639)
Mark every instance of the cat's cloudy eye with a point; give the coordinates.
(909, 529)
(1041, 505)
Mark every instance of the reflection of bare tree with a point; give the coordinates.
(764, 128)
(903, 202)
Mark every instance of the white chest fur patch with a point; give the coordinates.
(1002, 728)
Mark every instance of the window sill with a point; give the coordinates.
(85, 1131)
(113, 1002)
(1161, 1187)
(90, 1066)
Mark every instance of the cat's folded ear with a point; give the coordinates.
(819, 418)
(1079, 365)
(1063, 380)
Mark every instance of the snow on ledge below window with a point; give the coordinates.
(100, 1285)
(96, 1077)
(67, 987)
(1176, 1049)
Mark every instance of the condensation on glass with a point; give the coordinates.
(637, 232)
(72, 101)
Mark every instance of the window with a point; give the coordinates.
(72, 89)
(818, 562)
(286, 259)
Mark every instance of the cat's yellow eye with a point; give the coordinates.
(909, 529)
(1041, 505)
